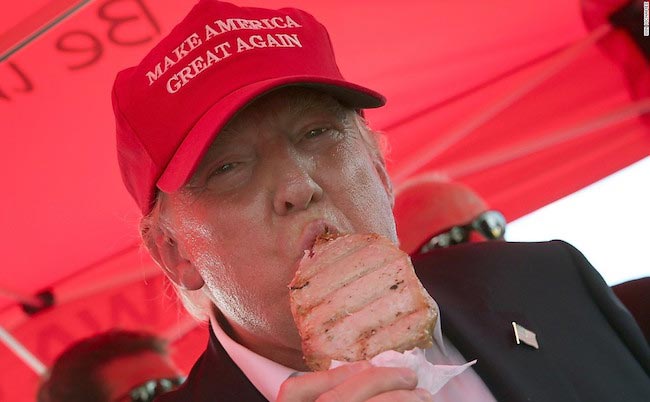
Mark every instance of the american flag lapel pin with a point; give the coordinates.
(526, 336)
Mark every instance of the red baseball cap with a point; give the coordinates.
(170, 107)
(426, 204)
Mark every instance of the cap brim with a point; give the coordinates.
(202, 134)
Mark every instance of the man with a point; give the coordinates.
(241, 143)
(431, 212)
(112, 366)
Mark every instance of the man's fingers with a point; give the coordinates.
(417, 395)
(357, 382)
(309, 386)
(370, 383)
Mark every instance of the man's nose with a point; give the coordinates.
(295, 188)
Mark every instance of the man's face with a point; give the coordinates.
(284, 170)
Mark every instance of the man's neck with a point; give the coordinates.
(286, 356)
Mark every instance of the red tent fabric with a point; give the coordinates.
(521, 101)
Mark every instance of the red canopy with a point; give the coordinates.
(516, 99)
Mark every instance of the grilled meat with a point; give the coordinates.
(355, 296)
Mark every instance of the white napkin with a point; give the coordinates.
(431, 377)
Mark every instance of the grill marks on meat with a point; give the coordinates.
(328, 253)
(356, 296)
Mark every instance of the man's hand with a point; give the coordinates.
(357, 382)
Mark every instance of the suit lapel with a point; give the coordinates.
(512, 372)
(480, 327)
(215, 377)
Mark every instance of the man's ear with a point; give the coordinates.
(165, 251)
(380, 167)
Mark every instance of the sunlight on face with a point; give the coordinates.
(287, 166)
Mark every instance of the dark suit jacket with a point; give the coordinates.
(635, 295)
(590, 347)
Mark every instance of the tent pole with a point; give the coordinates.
(468, 126)
(148, 272)
(36, 24)
(21, 351)
(546, 140)
(20, 297)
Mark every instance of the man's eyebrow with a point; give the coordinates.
(222, 141)
(226, 135)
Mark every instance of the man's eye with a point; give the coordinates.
(225, 168)
(316, 132)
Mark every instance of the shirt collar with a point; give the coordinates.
(266, 375)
